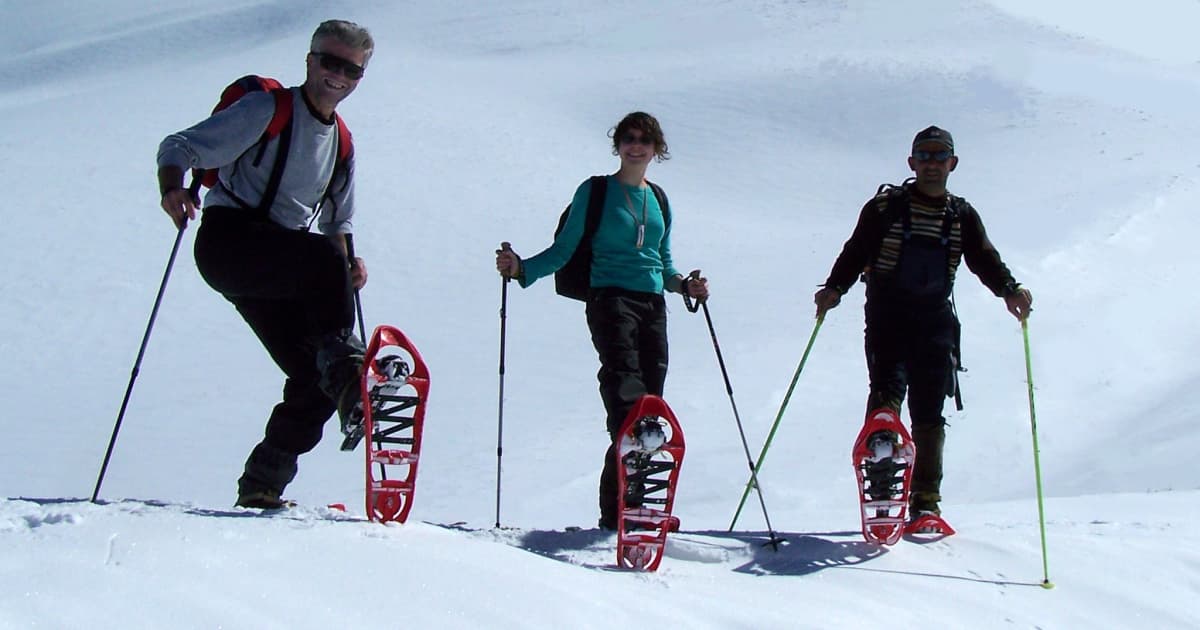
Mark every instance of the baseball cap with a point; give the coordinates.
(936, 135)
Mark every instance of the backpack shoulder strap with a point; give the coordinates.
(595, 207)
(663, 203)
(345, 156)
(279, 121)
(342, 164)
(959, 206)
(281, 127)
(345, 140)
(283, 112)
(895, 207)
(955, 206)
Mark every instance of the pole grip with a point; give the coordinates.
(505, 246)
(692, 305)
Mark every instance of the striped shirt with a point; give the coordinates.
(878, 236)
(928, 218)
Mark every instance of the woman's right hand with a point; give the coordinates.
(508, 263)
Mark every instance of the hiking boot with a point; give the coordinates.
(882, 444)
(261, 499)
(924, 502)
(929, 528)
(649, 434)
(340, 362)
(349, 397)
(267, 472)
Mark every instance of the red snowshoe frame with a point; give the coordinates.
(394, 390)
(643, 550)
(929, 525)
(883, 520)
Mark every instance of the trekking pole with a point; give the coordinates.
(770, 436)
(137, 364)
(362, 329)
(774, 542)
(505, 246)
(1037, 466)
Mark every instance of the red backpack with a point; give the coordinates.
(281, 121)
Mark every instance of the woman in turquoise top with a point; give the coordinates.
(631, 267)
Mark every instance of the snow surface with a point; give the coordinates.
(1076, 129)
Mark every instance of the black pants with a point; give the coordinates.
(909, 349)
(629, 332)
(291, 287)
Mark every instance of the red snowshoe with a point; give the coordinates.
(649, 455)
(395, 388)
(928, 524)
(883, 462)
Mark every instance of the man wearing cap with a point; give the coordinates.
(907, 246)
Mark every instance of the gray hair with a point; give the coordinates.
(347, 33)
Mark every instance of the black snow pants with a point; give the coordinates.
(909, 348)
(292, 287)
(629, 332)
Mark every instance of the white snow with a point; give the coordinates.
(1075, 123)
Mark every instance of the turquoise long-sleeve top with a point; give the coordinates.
(617, 261)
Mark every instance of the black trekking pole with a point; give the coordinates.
(774, 542)
(362, 329)
(137, 364)
(505, 246)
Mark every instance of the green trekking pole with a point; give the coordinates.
(770, 436)
(1037, 467)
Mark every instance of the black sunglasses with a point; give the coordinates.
(639, 139)
(932, 156)
(334, 63)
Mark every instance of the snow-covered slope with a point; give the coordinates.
(474, 125)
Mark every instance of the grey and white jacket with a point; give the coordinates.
(224, 141)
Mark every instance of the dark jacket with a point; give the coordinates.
(877, 240)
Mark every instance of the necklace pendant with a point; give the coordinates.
(641, 238)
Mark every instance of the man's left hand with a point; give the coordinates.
(1019, 303)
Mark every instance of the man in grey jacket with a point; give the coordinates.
(293, 287)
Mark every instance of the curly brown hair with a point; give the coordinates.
(648, 125)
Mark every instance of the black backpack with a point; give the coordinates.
(574, 279)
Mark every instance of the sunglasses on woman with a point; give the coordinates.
(630, 138)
